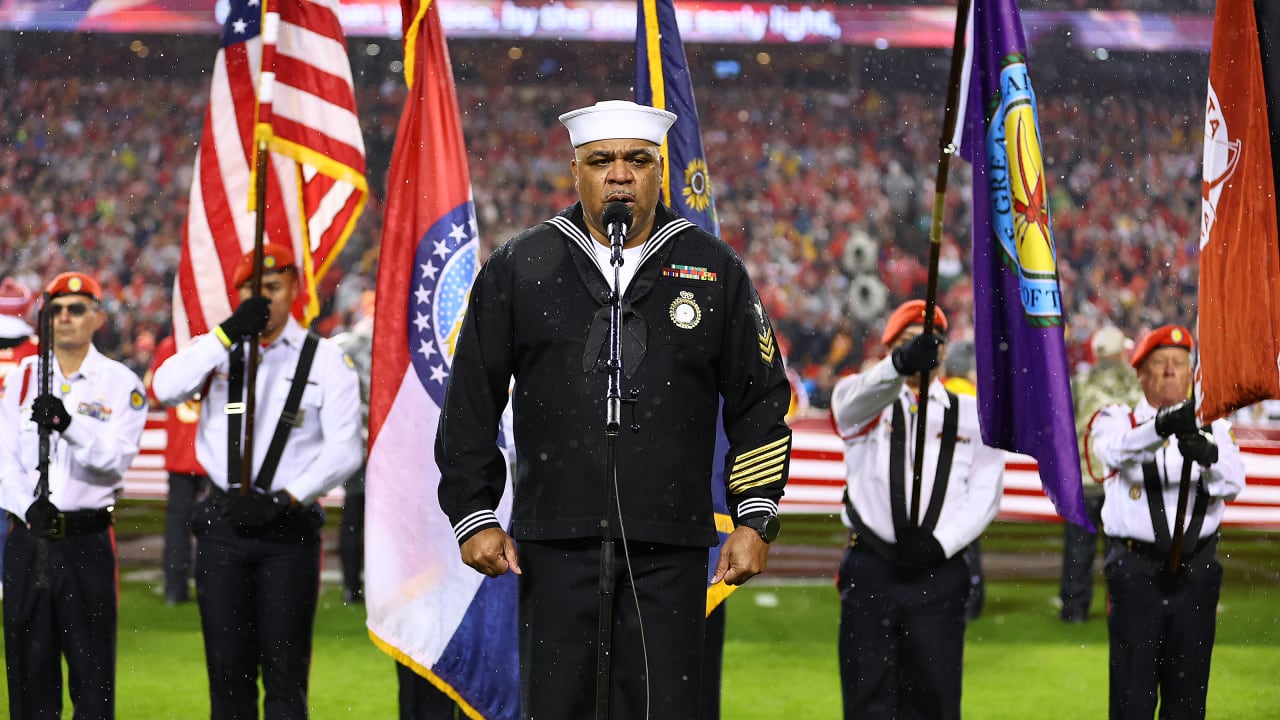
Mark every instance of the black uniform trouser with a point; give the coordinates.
(420, 700)
(901, 637)
(351, 543)
(559, 616)
(183, 490)
(713, 663)
(75, 617)
(258, 599)
(977, 597)
(1161, 636)
(1079, 548)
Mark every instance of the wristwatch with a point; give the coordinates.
(767, 525)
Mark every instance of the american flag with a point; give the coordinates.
(281, 75)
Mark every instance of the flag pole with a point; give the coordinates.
(1179, 516)
(262, 138)
(255, 285)
(947, 147)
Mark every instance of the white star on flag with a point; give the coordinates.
(439, 374)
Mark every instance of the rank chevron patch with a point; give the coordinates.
(764, 332)
(767, 346)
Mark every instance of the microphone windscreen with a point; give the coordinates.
(616, 213)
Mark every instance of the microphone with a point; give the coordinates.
(617, 220)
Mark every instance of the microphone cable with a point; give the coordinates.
(635, 594)
(616, 218)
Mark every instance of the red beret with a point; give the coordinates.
(275, 257)
(15, 298)
(908, 313)
(74, 283)
(1162, 337)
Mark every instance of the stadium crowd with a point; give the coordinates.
(825, 190)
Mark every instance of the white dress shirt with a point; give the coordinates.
(86, 470)
(322, 450)
(1125, 439)
(862, 408)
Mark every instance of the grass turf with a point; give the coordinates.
(780, 656)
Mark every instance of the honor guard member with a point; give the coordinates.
(903, 587)
(693, 332)
(1162, 622)
(258, 547)
(60, 592)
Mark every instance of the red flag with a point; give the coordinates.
(281, 74)
(1239, 323)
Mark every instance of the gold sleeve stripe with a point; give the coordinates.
(748, 479)
(772, 458)
(743, 485)
(780, 442)
(737, 480)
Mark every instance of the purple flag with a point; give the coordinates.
(1024, 387)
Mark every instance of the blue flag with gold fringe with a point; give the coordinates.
(662, 81)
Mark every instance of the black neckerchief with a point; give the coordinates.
(635, 330)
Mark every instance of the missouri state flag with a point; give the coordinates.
(452, 625)
(1239, 322)
(1024, 391)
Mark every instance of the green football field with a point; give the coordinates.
(780, 656)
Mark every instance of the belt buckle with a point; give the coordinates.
(58, 528)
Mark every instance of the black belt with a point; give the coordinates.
(217, 497)
(75, 522)
(1153, 551)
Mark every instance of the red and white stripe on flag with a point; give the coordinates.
(316, 187)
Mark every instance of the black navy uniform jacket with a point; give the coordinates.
(704, 332)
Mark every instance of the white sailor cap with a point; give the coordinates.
(615, 120)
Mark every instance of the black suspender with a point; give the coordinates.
(289, 417)
(897, 470)
(1160, 520)
(897, 466)
(946, 451)
(235, 411)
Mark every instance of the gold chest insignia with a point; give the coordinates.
(685, 313)
(1135, 492)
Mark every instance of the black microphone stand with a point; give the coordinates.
(613, 421)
